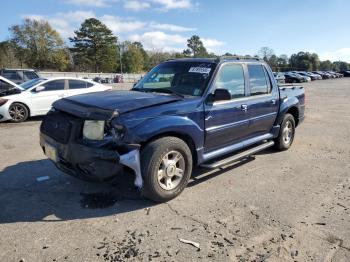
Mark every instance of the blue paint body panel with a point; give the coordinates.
(214, 129)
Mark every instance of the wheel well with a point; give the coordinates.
(24, 106)
(295, 113)
(186, 138)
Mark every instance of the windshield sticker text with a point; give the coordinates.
(200, 70)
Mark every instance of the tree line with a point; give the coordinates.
(94, 48)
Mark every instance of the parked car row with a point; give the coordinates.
(35, 97)
(303, 76)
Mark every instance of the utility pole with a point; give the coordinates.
(120, 58)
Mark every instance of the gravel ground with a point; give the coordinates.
(275, 206)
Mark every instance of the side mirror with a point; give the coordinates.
(221, 95)
(39, 89)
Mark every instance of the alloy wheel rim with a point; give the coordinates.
(171, 170)
(288, 133)
(17, 113)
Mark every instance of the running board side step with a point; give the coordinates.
(239, 156)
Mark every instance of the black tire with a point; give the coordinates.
(18, 112)
(152, 163)
(281, 142)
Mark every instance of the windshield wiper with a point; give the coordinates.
(159, 90)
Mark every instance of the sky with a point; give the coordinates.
(236, 26)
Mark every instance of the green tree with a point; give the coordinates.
(195, 47)
(340, 66)
(38, 45)
(8, 56)
(283, 63)
(133, 58)
(304, 61)
(95, 47)
(326, 65)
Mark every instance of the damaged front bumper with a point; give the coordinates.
(92, 162)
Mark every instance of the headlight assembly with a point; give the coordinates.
(93, 130)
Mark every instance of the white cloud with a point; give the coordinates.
(95, 3)
(171, 27)
(342, 54)
(64, 23)
(118, 25)
(210, 42)
(136, 5)
(173, 4)
(160, 41)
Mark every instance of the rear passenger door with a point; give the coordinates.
(263, 102)
(226, 122)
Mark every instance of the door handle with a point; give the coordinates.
(273, 101)
(244, 107)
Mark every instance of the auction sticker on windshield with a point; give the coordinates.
(200, 70)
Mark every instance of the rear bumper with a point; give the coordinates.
(84, 162)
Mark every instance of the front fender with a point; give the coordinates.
(181, 125)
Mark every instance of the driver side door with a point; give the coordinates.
(226, 122)
(43, 100)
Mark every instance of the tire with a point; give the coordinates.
(18, 112)
(287, 132)
(166, 166)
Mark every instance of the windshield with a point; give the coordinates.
(183, 78)
(31, 83)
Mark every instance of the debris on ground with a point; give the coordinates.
(195, 244)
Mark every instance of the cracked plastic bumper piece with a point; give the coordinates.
(91, 163)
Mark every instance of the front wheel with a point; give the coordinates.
(286, 134)
(18, 112)
(166, 165)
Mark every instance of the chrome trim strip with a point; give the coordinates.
(213, 128)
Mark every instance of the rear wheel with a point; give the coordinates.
(18, 112)
(166, 168)
(287, 132)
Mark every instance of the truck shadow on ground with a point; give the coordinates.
(60, 197)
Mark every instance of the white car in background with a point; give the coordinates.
(35, 97)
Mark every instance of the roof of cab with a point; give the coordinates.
(216, 60)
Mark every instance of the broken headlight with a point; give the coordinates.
(93, 129)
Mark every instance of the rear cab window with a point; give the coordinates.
(259, 80)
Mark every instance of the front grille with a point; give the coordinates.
(58, 126)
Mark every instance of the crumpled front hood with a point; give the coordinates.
(101, 105)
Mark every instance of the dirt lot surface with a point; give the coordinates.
(277, 206)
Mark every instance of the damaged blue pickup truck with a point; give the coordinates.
(184, 113)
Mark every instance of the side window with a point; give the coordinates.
(12, 75)
(30, 75)
(231, 77)
(257, 79)
(77, 84)
(54, 85)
